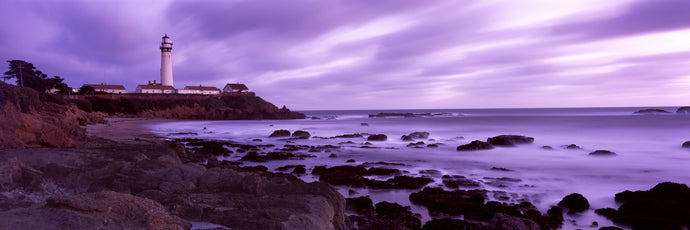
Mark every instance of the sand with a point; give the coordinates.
(125, 130)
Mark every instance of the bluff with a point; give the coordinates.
(198, 107)
(32, 119)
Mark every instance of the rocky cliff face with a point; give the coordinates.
(29, 119)
(196, 107)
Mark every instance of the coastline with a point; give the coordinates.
(126, 130)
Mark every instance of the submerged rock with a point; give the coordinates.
(683, 110)
(602, 153)
(280, 133)
(415, 136)
(509, 140)
(301, 134)
(572, 146)
(651, 111)
(686, 144)
(361, 205)
(377, 137)
(575, 202)
(475, 145)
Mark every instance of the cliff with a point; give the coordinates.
(31, 119)
(199, 107)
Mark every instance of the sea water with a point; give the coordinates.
(648, 150)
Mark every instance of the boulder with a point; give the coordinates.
(458, 202)
(301, 134)
(280, 133)
(575, 202)
(602, 153)
(509, 140)
(415, 136)
(361, 205)
(651, 111)
(663, 207)
(377, 137)
(456, 181)
(475, 145)
(572, 146)
(449, 224)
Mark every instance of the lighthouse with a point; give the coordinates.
(166, 61)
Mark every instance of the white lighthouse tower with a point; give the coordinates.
(166, 61)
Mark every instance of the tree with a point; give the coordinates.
(86, 90)
(28, 76)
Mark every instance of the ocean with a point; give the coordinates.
(648, 150)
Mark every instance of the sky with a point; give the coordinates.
(363, 54)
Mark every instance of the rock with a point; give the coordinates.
(458, 202)
(389, 210)
(475, 145)
(300, 169)
(500, 169)
(377, 137)
(301, 134)
(415, 136)
(575, 202)
(280, 133)
(361, 205)
(683, 110)
(506, 222)
(386, 216)
(663, 207)
(547, 147)
(101, 210)
(652, 111)
(354, 135)
(350, 161)
(602, 153)
(449, 224)
(435, 145)
(686, 144)
(457, 181)
(610, 228)
(382, 114)
(210, 147)
(383, 171)
(364, 124)
(509, 140)
(572, 146)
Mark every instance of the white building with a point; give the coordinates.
(155, 89)
(205, 90)
(235, 88)
(166, 61)
(107, 88)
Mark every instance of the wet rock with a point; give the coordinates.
(431, 172)
(382, 171)
(332, 155)
(500, 169)
(257, 140)
(651, 111)
(300, 169)
(210, 147)
(686, 144)
(450, 224)
(350, 161)
(382, 114)
(364, 124)
(301, 134)
(280, 133)
(361, 205)
(432, 145)
(503, 221)
(383, 163)
(610, 228)
(602, 153)
(509, 140)
(416, 145)
(663, 207)
(256, 157)
(683, 110)
(575, 202)
(572, 146)
(377, 137)
(456, 181)
(389, 210)
(400, 182)
(386, 216)
(342, 175)
(475, 145)
(354, 135)
(458, 202)
(415, 136)
(547, 147)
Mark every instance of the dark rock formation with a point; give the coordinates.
(610, 228)
(361, 205)
(354, 135)
(572, 146)
(415, 136)
(456, 181)
(386, 216)
(683, 110)
(450, 224)
(301, 134)
(652, 111)
(355, 176)
(377, 137)
(602, 153)
(475, 145)
(504, 221)
(686, 144)
(382, 114)
(509, 140)
(280, 133)
(547, 147)
(663, 207)
(458, 202)
(575, 202)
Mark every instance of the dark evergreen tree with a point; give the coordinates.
(27, 75)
